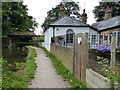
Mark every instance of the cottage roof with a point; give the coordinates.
(68, 21)
(110, 23)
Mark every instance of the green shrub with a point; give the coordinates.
(118, 49)
(25, 72)
(112, 73)
(42, 39)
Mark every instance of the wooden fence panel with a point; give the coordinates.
(81, 56)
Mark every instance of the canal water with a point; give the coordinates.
(14, 54)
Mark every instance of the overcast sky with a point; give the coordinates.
(39, 8)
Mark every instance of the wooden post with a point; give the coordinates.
(84, 56)
(74, 54)
(113, 52)
(113, 57)
(101, 38)
(87, 52)
(80, 56)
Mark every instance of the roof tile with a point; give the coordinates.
(68, 21)
(112, 22)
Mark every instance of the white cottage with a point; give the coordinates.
(66, 26)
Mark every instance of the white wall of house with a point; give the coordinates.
(58, 31)
(48, 34)
(62, 30)
(91, 31)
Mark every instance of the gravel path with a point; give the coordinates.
(46, 76)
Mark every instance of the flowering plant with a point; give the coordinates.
(113, 75)
(104, 47)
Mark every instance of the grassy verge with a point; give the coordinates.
(24, 74)
(65, 73)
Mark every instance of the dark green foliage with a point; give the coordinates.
(112, 74)
(25, 72)
(71, 8)
(65, 73)
(41, 38)
(118, 49)
(99, 11)
(15, 18)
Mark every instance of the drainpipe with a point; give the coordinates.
(52, 39)
(53, 31)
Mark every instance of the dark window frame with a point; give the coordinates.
(118, 38)
(69, 36)
(105, 38)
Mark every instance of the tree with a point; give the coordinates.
(15, 18)
(71, 9)
(99, 11)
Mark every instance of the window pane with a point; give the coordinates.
(118, 38)
(105, 38)
(93, 36)
(69, 36)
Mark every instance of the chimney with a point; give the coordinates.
(108, 13)
(61, 12)
(84, 17)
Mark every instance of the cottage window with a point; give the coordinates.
(94, 40)
(118, 38)
(93, 37)
(69, 37)
(110, 37)
(111, 34)
(105, 37)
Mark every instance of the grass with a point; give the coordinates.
(64, 72)
(25, 72)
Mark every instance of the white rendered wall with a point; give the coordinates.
(62, 30)
(58, 31)
(91, 31)
(48, 35)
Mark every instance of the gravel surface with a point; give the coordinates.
(46, 76)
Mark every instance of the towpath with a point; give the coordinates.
(46, 76)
